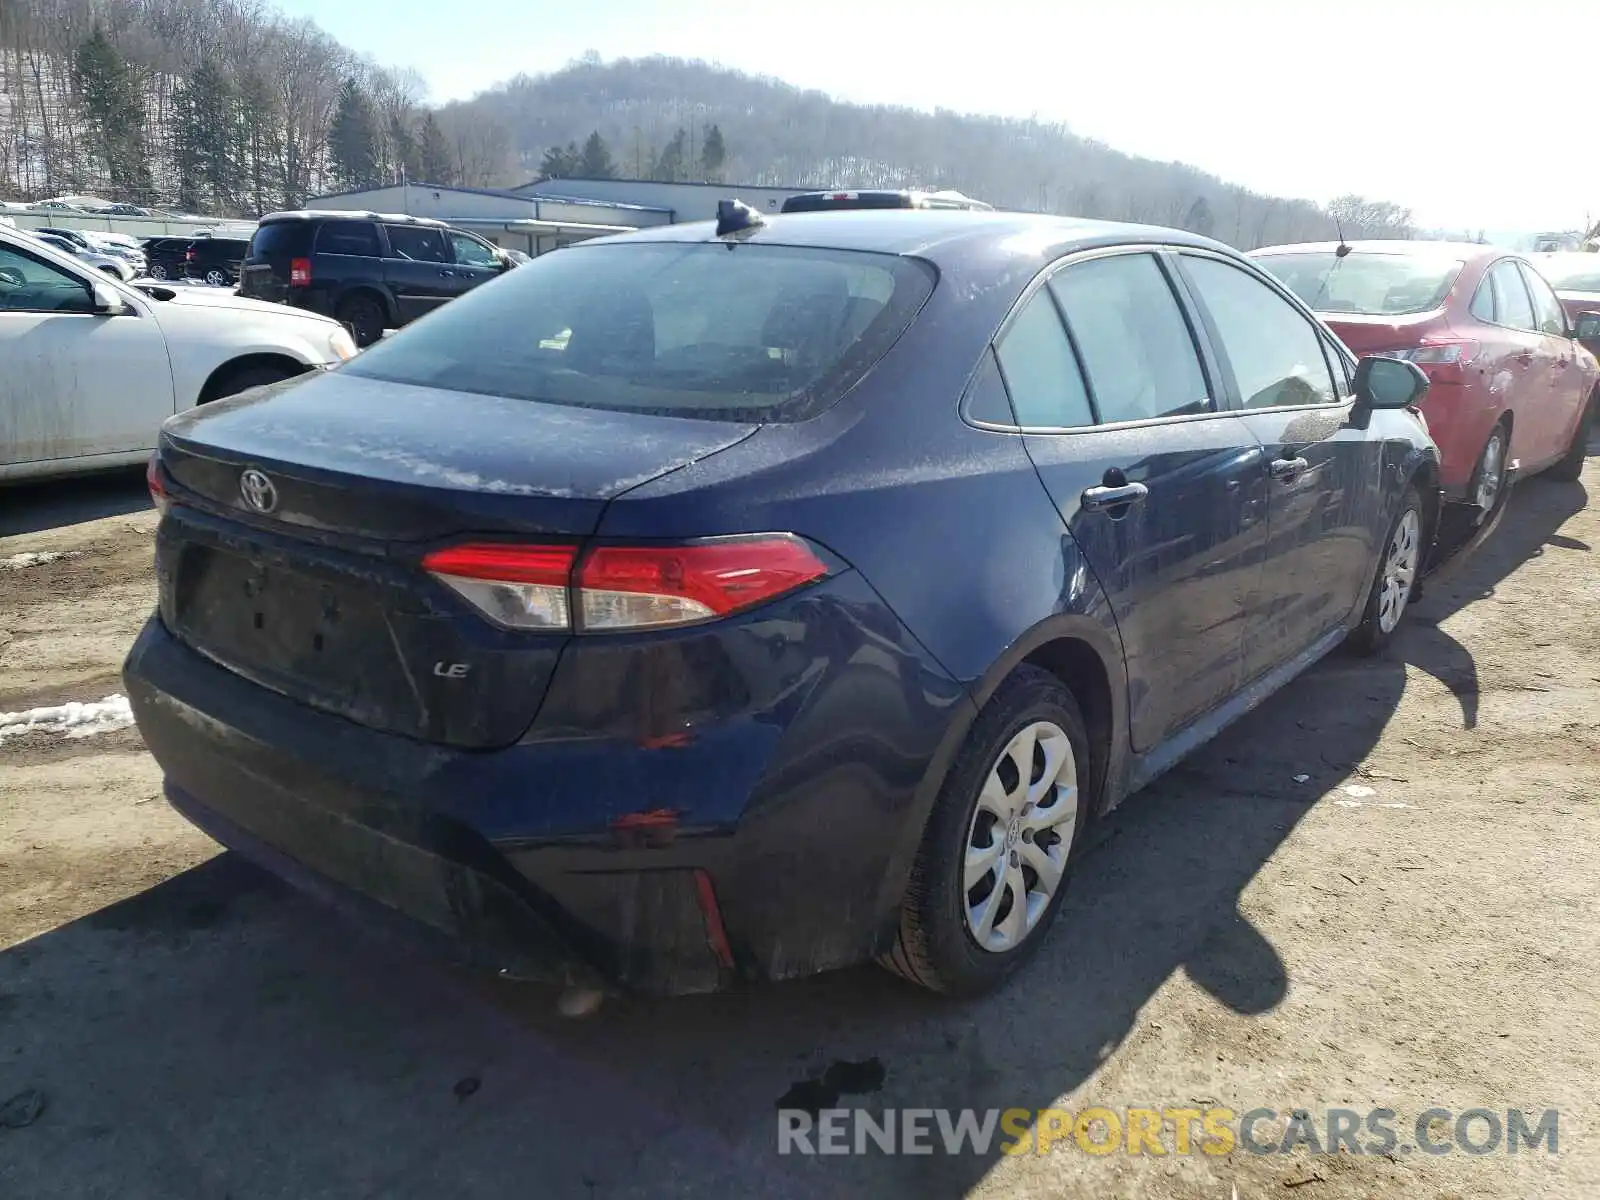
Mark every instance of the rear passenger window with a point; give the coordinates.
(1040, 371)
(1275, 352)
(349, 237)
(1483, 303)
(986, 398)
(1512, 306)
(418, 243)
(1136, 347)
(1546, 308)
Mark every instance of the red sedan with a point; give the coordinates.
(1511, 385)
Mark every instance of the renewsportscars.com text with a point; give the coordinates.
(1159, 1131)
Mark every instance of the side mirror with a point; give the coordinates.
(1389, 383)
(1587, 326)
(107, 302)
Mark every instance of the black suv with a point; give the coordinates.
(165, 256)
(216, 260)
(369, 272)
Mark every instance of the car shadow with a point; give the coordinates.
(217, 1034)
(35, 507)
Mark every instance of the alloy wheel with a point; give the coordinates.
(1399, 570)
(216, 278)
(1491, 470)
(1019, 837)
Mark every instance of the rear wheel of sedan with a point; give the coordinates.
(994, 859)
(1399, 568)
(1488, 477)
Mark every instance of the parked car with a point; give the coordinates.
(111, 264)
(215, 260)
(92, 367)
(1511, 384)
(683, 607)
(166, 256)
(1576, 280)
(371, 272)
(124, 210)
(880, 198)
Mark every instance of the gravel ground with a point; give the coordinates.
(1411, 925)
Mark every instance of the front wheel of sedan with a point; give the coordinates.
(1399, 568)
(996, 854)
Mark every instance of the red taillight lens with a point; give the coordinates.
(189, 256)
(624, 587)
(1455, 353)
(158, 487)
(635, 587)
(299, 272)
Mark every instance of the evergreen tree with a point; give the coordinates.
(562, 162)
(353, 138)
(407, 153)
(261, 144)
(434, 163)
(114, 110)
(713, 155)
(670, 166)
(595, 161)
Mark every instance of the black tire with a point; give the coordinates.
(364, 317)
(1370, 637)
(934, 947)
(244, 378)
(217, 277)
(1501, 434)
(157, 271)
(1571, 465)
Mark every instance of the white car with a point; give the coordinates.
(90, 367)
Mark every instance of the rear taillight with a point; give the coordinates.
(158, 487)
(624, 587)
(1457, 353)
(299, 272)
(189, 256)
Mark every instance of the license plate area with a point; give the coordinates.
(293, 630)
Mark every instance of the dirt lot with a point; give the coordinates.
(1411, 925)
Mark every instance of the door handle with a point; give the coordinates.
(1098, 498)
(1288, 468)
(446, 274)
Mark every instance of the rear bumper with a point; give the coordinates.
(780, 860)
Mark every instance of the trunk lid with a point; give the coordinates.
(321, 596)
(264, 274)
(1374, 335)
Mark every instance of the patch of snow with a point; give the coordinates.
(1360, 791)
(75, 719)
(35, 558)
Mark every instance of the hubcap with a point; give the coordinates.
(216, 278)
(1399, 570)
(1489, 472)
(1020, 835)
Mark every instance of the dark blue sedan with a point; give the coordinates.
(685, 607)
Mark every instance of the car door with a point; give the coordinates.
(418, 268)
(1274, 359)
(1162, 488)
(1518, 381)
(1568, 384)
(475, 261)
(75, 382)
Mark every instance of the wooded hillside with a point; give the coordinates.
(225, 107)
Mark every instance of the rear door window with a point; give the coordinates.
(286, 238)
(1135, 343)
(1547, 309)
(1040, 370)
(1275, 352)
(419, 243)
(1512, 305)
(359, 238)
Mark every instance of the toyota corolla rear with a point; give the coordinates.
(399, 659)
(1395, 299)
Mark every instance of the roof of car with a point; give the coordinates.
(935, 234)
(350, 214)
(1466, 250)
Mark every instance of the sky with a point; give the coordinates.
(1475, 114)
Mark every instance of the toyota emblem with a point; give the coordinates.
(257, 491)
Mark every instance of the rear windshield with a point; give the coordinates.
(796, 204)
(721, 330)
(1572, 273)
(1364, 282)
(292, 238)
